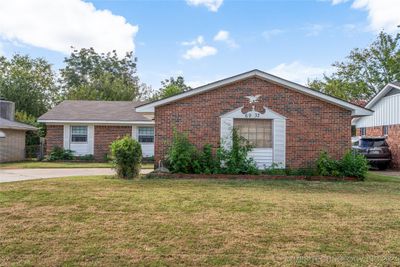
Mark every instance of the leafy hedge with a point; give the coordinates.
(351, 165)
(184, 157)
(59, 153)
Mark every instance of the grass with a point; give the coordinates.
(47, 164)
(99, 221)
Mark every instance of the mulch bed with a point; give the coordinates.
(247, 177)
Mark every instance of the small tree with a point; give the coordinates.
(127, 156)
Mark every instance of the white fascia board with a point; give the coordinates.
(150, 107)
(356, 110)
(98, 122)
(381, 94)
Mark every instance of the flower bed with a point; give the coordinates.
(247, 176)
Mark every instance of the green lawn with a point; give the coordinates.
(99, 221)
(47, 164)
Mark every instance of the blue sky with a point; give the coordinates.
(203, 40)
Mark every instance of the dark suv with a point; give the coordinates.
(376, 150)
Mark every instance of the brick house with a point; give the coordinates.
(385, 121)
(287, 123)
(89, 127)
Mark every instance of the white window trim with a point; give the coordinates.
(278, 149)
(137, 134)
(87, 134)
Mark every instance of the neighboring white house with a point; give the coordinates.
(385, 121)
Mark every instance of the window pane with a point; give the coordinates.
(79, 134)
(257, 132)
(146, 134)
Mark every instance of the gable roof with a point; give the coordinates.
(94, 112)
(356, 110)
(389, 87)
(14, 125)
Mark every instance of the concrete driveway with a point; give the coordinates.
(13, 175)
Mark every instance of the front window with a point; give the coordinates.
(146, 135)
(363, 131)
(257, 132)
(78, 134)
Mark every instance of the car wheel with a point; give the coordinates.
(383, 166)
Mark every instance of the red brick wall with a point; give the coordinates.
(312, 125)
(105, 135)
(393, 139)
(54, 137)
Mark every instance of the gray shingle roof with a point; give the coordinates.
(7, 124)
(83, 110)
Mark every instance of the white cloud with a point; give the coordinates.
(197, 52)
(198, 41)
(212, 5)
(336, 2)
(298, 72)
(314, 29)
(58, 25)
(271, 33)
(223, 36)
(382, 14)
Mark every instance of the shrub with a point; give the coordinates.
(127, 156)
(354, 165)
(235, 160)
(205, 161)
(59, 153)
(351, 165)
(182, 154)
(327, 166)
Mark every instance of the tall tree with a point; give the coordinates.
(92, 76)
(30, 83)
(171, 87)
(365, 71)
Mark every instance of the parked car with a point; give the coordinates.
(375, 149)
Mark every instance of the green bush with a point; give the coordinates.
(205, 161)
(354, 165)
(184, 157)
(127, 156)
(351, 165)
(235, 160)
(327, 166)
(59, 153)
(182, 154)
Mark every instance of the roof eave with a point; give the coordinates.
(356, 110)
(48, 121)
(19, 128)
(381, 93)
